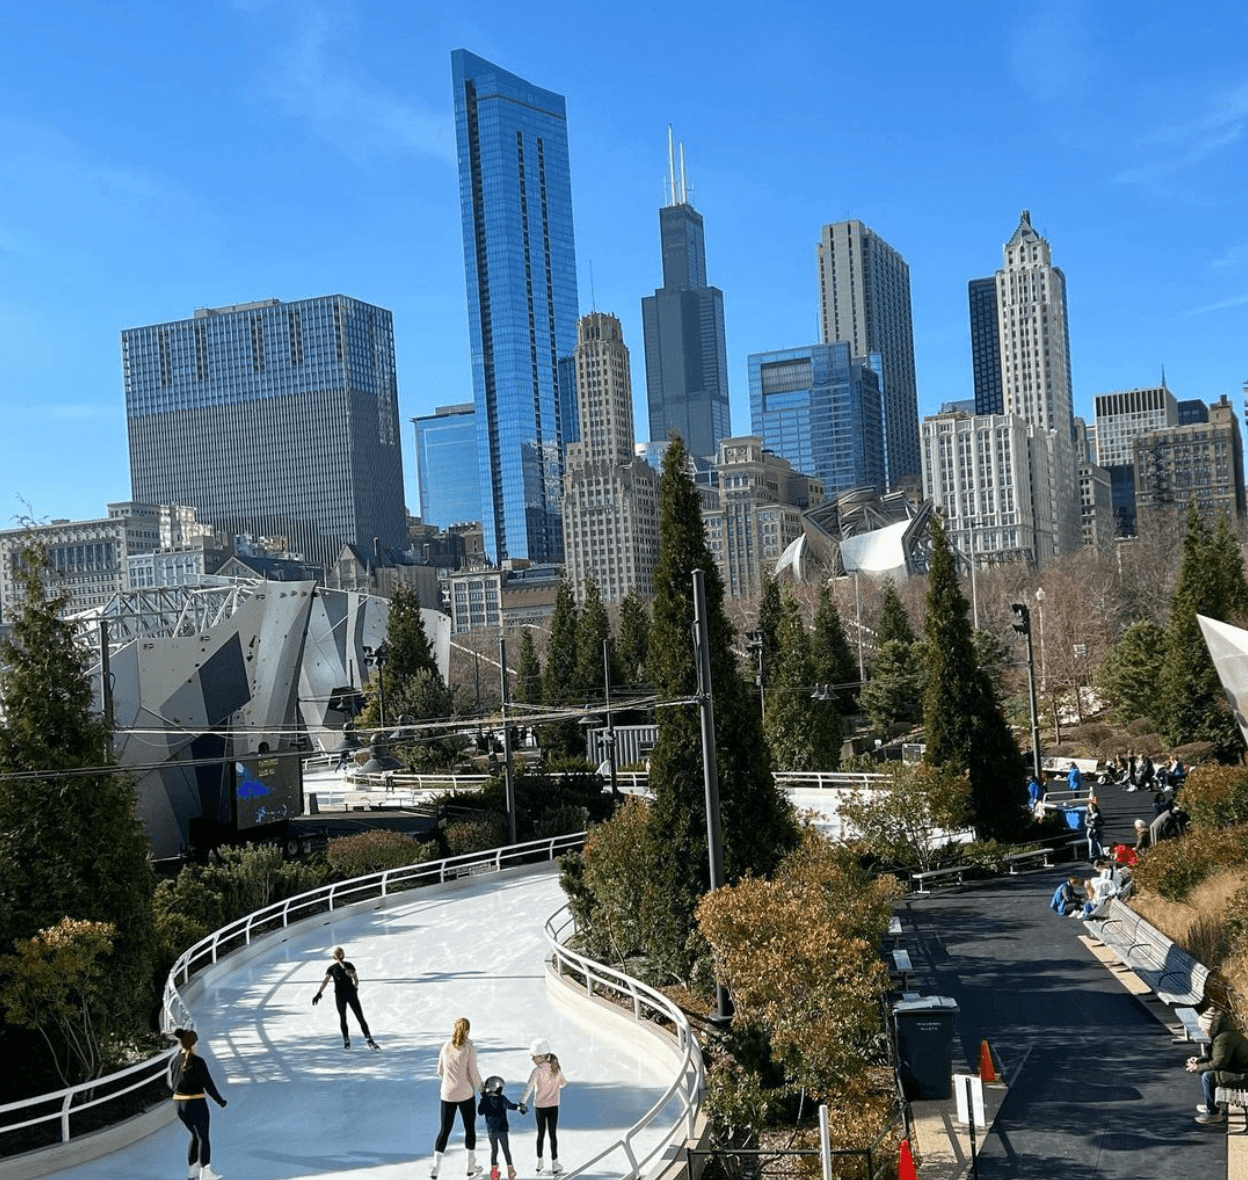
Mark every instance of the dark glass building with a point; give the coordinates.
(985, 347)
(446, 447)
(515, 194)
(683, 324)
(271, 418)
(819, 407)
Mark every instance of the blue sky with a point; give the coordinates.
(162, 155)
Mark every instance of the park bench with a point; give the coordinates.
(921, 880)
(1231, 1096)
(1173, 975)
(1191, 1029)
(1036, 857)
(902, 966)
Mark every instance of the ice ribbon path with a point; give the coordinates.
(299, 1106)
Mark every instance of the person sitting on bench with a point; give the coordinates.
(1102, 889)
(1226, 1065)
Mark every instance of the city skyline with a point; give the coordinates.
(181, 159)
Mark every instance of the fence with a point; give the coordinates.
(61, 1105)
(647, 1005)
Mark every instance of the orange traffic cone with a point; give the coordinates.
(905, 1163)
(986, 1071)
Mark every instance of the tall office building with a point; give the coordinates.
(446, 445)
(515, 195)
(985, 346)
(683, 323)
(1121, 417)
(819, 408)
(864, 298)
(274, 418)
(611, 497)
(1203, 461)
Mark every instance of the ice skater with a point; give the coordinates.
(457, 1067)
(346, 995)
(494, 1106)
(545, 1082)
(191, 1082)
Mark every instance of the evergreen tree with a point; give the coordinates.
(894, 694)
(894, 622)
(963, 723)
(769, 615)
(1192, 704)
(559, 687)
(802, 733)
(757, 821)
(1227, 568)
(70, 843)
(832, 661)
(633, 642)
(1128, 677)
(592, 630)
(527, 689)
(410, 678)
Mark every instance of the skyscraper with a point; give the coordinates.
(611, 497)
(819, 408)
(450, 491)
(683, 323)
(515, 195)
(271, 417)
(985, 346)
(864, 298)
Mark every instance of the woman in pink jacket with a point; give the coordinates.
(545, 1082)
(461, 1080)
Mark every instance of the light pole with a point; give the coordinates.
(755, 644)
(1044, 662)
(610, 738)
(974, 584)
(1022, 624)
(375, 657)
(509, 784)
(862, 675)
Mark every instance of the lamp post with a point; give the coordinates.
(375, 657)
(1044, 661)
(862, 675)
(974, 584)
(610, 738)
(508, 781)
(754, 643)
(1022, 624)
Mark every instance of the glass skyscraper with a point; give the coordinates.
(985, 346)
(819, 408)
(446, 446)
(683, 323)
(271, 418)
(515, 193)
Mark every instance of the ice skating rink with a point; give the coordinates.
(299, 1106)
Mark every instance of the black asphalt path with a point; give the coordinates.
(1098, 1085)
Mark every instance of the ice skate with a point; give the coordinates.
(346, 1042)
(372, 1044)
(474, 1168)
(206, 1172)
(555, 1167)
(541, 1165)
(493, 1172)
(511, 1172)
(192, 1172)
(437, 1163)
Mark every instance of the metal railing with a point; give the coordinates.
(241, 933)
(647, 1005)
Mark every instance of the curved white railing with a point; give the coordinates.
(240, 934)
(690, 1082)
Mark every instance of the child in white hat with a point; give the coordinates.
(545, 1082)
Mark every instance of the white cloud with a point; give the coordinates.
(1221, 305)
(1180, 145)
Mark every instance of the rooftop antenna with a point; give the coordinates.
(593, 299)
(671, 168)
(684, 191)
(1163, 376)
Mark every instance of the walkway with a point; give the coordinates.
(1098, 1086)
(299, 1106)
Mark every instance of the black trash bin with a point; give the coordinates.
(925, 1045)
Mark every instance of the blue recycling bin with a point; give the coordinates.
(1076, 818)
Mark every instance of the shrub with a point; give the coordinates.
(475, 834)
(1216, 796)
(1174, 868)
(375, 851)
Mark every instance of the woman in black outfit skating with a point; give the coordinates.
(191, 1083)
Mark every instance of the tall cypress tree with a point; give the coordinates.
(894, 622)
(894, 693)
(592, 629)
(528, 687)
(757, 821)
(769, 615)
(832, 661)
(70, 842)
(633, 641)
(802, 733)
(1210, 582)
(963, 723)
(559, 687)
(411, 679)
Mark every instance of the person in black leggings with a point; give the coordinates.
(460, 1082)
(191, 1082)
(346, 995)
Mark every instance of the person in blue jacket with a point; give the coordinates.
(494, 1106)
(1065, 900)
(1074, 780)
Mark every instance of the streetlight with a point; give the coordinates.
(1022, 624)
(375, 657)
(1044, 662)
(610, 738)
(509, 785)
(754, 643)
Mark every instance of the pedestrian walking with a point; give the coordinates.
(346, 995)
(545, 1082)
(493, 1107)
(192, 1086)
(457, 1067)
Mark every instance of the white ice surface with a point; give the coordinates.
(299, 1106)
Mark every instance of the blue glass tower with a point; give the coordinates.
(515, 194)
(683, 322)
(446, 445)
(272, 418)
(819, 408)
(985, 346)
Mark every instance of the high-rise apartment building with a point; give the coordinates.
(1121, 417)
(985, 346)
(271, 418)
(446, 451)
(611, 497)
(754, 512)
(819, 408)
(864, 299)
(515, 193)
(683, 322)
(1202, 462)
